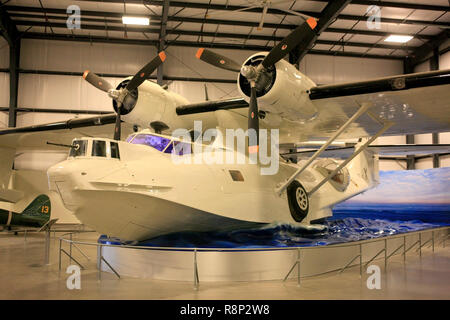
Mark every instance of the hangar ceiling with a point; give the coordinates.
(343, 28)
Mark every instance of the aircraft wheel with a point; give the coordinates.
(298, 201)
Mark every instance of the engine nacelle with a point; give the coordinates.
(281, 91)
(150, 103)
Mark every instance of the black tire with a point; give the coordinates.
(298, 205)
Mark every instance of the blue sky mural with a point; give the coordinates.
(430, 186)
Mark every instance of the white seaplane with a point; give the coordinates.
(135, 190)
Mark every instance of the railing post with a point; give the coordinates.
(298, 267)
(420, 244)
(432, 241)
(360, 260)
(445, 238)
(404, 249)
(385, 255)
(47, 246)
(60, 243)
(99, 261)
(196, 280)
(70, 249)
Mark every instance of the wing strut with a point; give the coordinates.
(363, 109)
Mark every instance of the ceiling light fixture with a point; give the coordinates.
(398, 38)
(136, 20)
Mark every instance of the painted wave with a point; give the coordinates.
(285, 235)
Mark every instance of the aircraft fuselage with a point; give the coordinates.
(144, 193)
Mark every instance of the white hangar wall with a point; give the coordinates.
(444, 137)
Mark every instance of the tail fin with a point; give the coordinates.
(40, 208)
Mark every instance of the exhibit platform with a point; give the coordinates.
(263, 263)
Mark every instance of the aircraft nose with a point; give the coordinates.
(58, 172)
(61, 179)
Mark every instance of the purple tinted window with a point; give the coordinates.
(130, 138)
(169, 148)
(157, 142)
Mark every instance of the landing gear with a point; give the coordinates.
(298, 201)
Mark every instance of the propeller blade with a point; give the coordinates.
(97, 81)
(253, 120)
(294, 39)
(117, 128)
(217, 60)
(146, 71)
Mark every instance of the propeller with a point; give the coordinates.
(217, 60)
(258, 75)
(123, 93)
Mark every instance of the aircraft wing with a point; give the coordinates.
(36, 136)
(385, 150)
(416, 103)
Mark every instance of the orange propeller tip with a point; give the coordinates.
(199, 52)
(253, 149)
(85, 74)
(162, 55)
(312, 22)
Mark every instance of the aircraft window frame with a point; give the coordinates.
(81, 150)
(130, 138)
(169, 147)
(116, 154)
(95, 152)
(176, 143)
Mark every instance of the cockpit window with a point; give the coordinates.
(99, 148)
(157, 142)
(130, 137)
(79, 148)
(115, 150)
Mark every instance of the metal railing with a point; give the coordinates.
(361, 243)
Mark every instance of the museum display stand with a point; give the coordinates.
(249, 264)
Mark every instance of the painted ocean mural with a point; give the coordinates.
(404, 201)
(408, 195)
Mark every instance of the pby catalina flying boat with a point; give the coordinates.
(152, 183)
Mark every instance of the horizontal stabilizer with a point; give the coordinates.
(48, 225)
(385, 150)
(9, 195)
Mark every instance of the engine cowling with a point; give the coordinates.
(281, 90)
(150, 103)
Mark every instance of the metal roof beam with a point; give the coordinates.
(423, 52)
(68, 37)
(404, 5)
(105, 14)
(206, 34)
(7, 27)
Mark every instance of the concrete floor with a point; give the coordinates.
(23, 275)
